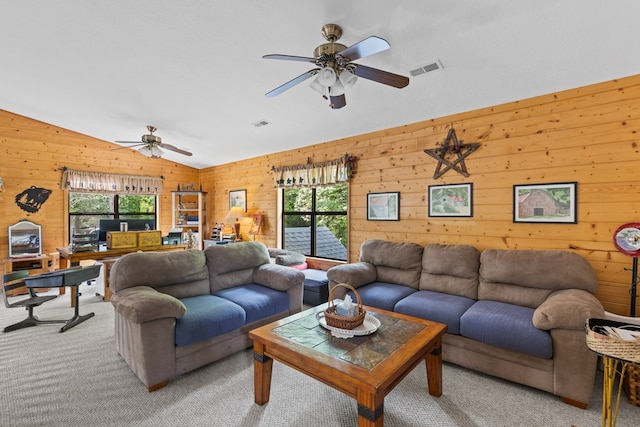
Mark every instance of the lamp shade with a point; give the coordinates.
(347, 78)
(236, 212)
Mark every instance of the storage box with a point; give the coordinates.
(122, 240)
(632, 384)
(149, 238)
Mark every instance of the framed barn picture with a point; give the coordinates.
(454, 200)
(551, 203)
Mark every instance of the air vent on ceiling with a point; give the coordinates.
(260, 123)
(426, 68)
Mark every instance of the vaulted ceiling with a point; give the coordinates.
(194, 68)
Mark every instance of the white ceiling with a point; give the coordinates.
(193, 68)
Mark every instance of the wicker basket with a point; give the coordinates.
(632, 384)
(342, 322)
(625, 350)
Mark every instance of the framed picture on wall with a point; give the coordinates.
(238, 198)
(552, 203)
(383, 206)
(451, 200)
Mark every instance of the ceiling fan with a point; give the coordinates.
(335, 72)
(150, 145)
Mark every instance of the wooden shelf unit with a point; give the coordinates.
(188, 211)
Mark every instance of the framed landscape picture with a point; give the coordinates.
(383, 206)
(454, 200)
(552, 203)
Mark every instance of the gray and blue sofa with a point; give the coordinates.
(177, 311)
(513, 314)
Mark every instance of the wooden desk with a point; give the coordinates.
(68, 258)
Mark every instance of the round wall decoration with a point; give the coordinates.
(627, 239)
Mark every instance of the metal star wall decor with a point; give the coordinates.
(449, 148)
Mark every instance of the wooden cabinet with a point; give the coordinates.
(189, 213)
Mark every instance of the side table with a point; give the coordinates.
(617, 355)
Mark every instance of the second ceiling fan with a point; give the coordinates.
(335, 71)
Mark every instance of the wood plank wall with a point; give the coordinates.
(587, 134)
(32, 153)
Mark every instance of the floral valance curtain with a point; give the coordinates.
(99, 182)
(315, 174)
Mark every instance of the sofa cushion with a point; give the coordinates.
(507, 326)
(207, 316)
(528, 277)
(382, 295)
(452, 269)
(289, 259)
(436, 306)
(180, 274)
(399, 263)
(257, 301)
(233, 265)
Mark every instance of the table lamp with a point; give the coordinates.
(236, 212)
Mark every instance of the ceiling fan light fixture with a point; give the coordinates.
(336, 89)
(156, 152)
(326, 76)
(347, 78)
(317, 86)
(146, 151)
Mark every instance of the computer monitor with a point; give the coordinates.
(132, 225)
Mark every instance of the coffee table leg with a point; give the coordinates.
(370, 409)
(434, 370)
(262, 367)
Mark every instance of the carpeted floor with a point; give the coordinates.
(76, 378)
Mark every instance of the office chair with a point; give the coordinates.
(13, 283)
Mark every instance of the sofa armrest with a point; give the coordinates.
(277, 277)
(567, 309)
(142, 304)
(355, 274)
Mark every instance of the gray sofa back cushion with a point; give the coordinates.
(451, 269)
(398, 263)
(178, 273)
(233, 264)
(528, 277)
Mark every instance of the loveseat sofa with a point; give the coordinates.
(177, 311)
(513, 314)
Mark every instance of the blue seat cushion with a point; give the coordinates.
(436, 306)
(207, 316)
(257, 301)
(315, 278)
(382, 295)
(507, 326)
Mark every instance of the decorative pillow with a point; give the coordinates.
(290, 258)
(302, 266)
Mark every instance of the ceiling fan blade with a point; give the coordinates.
(129, 142)
(380, 76)
(290, 58)
(291, 83)
(366, 47)
(173, 148)
(337, 101)
(128, 147)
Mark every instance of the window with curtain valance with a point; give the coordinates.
(330, 172)
(100, 182)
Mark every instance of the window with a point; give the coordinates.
(315, 221)
(87, 209)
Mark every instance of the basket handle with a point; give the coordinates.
(348, 286)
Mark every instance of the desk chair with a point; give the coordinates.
(13, 283)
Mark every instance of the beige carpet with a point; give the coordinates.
(76, 378)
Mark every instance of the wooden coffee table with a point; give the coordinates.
(366, 367)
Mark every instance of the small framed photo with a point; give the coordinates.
(451, 200)
(552, 203)
(383, 206)
(238, 198)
